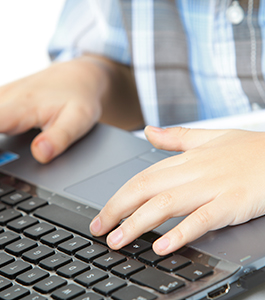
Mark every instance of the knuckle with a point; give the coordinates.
(182, 132)
(29, 96)
(178, 234)
(109, 212)
(88, 112)
(178, 134)
(82, 110)
(131, 225)
(139, 183)
(202, 216)
(164, 200)
(64, 136)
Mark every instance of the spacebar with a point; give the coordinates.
(67, 219)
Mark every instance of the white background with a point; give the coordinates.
(26, 27)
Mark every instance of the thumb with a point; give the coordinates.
(70, 125)
(180, 138)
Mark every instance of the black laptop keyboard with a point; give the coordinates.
(47, 252)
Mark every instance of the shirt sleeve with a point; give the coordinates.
(94, 26)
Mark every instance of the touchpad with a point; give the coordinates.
(100, 188)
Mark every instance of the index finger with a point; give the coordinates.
(138, 190)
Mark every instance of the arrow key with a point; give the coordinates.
(128, 268)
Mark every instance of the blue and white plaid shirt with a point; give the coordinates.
(189, 61)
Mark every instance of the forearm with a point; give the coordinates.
(66, 100)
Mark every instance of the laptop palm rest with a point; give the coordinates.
(100, 188)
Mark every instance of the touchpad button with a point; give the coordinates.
(100, 188)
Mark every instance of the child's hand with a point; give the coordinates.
(63, 100)
(217, 181)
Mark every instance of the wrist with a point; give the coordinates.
(96, 72)
(115, 91)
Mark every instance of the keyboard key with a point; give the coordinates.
(91, 252)
(2, 207)
(8, 215)
(14, 269)
(37, 254)
(56, 237)
(109, 260)
(157, 280)
(30, 205)
(151, 258)
(73, 245)
(174, 263)
(22, 223)
(35, 296)
(73, 269)
(65, 218)
(15, 197)
(5, 259)
(136, 248)
(32, 276)
(91, 277)
(49, 284)
(69, 220)
(5, 189)
(195, 271)
(150, 236)
(14, 292)
(55, 261)
(133, 292)
(90, 296)
(4, 283)
(101, 239)
(37, 231)
(69, 292)
(7, 238)
(128, 268)
(110, 285)
(20, 246)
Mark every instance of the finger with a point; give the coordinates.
(171, 203)
(180, 138)
(16, 119)
(71, 124)
(213, 215)
(138, 190)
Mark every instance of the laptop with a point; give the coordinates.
(48, 252)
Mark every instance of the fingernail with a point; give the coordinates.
(162, 244)
(95, 225)
(156, 129)
(115, 237)
(45, 148)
